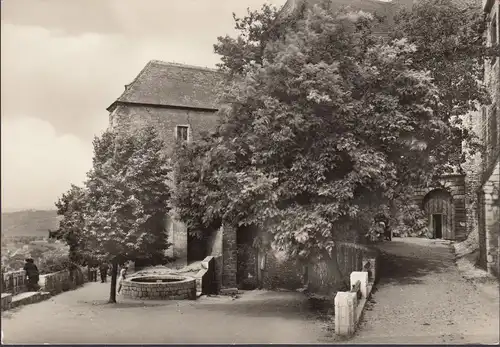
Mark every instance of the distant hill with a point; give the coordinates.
(29, 223)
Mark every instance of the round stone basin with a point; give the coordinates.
(154, 280)
(164, 287)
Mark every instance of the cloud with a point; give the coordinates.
(37, 164)
(64, 62)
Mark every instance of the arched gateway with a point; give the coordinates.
(438, 206)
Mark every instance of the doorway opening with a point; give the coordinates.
(437, 226)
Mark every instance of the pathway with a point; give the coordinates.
(422, 298)
(82, 316)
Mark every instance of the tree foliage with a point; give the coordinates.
(119, 214)
(327, 124)
(451, 44)
(70, 207)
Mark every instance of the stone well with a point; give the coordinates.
(162, 287)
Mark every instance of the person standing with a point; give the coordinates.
(103, 269)
(32, 274)
(123, 275)
(92, 271)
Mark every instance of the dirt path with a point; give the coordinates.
(422, 298)
(82, 316)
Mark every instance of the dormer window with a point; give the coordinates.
(182, 133)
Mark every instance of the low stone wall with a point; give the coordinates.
(61, 281)
(349, 305)
(282, 273)
(6, 300)
(14, 282)
(184, 288)
(350, 257)
(206, 282)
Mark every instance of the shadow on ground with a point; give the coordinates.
(408, 264)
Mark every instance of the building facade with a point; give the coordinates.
(181, 102)
(488, 129)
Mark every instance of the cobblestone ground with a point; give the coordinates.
(82, 316)
(422, 298)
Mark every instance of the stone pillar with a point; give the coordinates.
(361, 276)
(180, 243)
(345, 313)
(369, 266)
(229, 256)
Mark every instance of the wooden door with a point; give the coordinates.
(438, 202)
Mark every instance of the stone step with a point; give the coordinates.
(6, 300)
(27, 298)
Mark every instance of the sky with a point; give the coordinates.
(64, 62)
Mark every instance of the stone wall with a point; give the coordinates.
(62, 281)
(181, 289)
(488, 218)
(455, 185)
(281, 272)
(489, 231)
(129, 118)
(229, 256)
(206, 278)
(14, 282)
(350, 257)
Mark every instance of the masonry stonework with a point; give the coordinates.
(454, 185)
(488, 130)
(165, 96)
(229, 256)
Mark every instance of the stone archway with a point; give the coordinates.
(438, 206)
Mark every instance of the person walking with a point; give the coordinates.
(92, 271)
(123, 275)
(32, 274)
(103, 269)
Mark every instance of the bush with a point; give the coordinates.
(54, 261)
(48, 257)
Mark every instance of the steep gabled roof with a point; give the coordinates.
(176, 85)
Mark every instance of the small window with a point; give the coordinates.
(182, 133)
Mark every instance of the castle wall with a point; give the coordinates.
(130, 118)
(455, 186)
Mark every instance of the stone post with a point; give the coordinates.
(361, 276)
(229, 256)
(345, 313)
(369, 266)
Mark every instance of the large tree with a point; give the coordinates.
(325, 125)
(70, 207)
(125, 201)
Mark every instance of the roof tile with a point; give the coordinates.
(171, 84)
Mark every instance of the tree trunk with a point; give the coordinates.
(114, 275)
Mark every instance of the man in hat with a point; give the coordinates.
(32, 274)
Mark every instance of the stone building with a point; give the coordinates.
(488, 129)
(180, 101)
